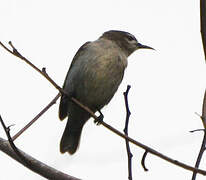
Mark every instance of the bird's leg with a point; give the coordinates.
(99, 119)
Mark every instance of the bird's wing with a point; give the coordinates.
(64, 102)
(78, 53)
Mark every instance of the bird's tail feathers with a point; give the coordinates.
(70, 139)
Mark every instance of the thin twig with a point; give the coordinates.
(202, 149)
(143, 160)
(150, 150)
(42, 72)
(7, 131)
(36, 117)
(128, 113)
(192, 131)
(204, 111)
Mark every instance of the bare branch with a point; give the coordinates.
(36, 117)
(202, 149)
(203, 23)
(197, 130)
(7, 131)
(17, 54)
(143, 160)
(128, 113)
(203, 117)
(150, 150)
(36, 166)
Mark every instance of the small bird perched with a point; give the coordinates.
(93, 78)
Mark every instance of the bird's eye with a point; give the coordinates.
(131, 38)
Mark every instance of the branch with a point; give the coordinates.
(128, 113)
(150, 150)
(202, 149)
(36, 117)
(143, 160)
(42, 72)
(203, 117)
(36, 166)
(203, 23)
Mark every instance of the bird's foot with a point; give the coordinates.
(99, 119)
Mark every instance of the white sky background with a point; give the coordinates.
(167, 85)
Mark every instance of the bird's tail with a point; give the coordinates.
(70, 139)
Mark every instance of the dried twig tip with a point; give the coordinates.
(143, 160)
(196, 130)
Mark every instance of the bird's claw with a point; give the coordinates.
(99, 119)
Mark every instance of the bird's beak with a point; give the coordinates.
(141, 46)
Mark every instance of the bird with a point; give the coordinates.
(94, 76)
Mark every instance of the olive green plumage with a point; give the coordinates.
(93, 78)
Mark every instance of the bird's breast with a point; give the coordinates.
(101, 77)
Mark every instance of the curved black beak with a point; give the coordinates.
(141, 46)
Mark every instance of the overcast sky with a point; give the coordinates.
(167, 85)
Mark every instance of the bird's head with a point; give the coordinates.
(126, 41)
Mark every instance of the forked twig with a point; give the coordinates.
(202, 149)
(28, 161)
(36, 117)
(203, 117)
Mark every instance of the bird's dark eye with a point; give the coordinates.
(131, 38)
